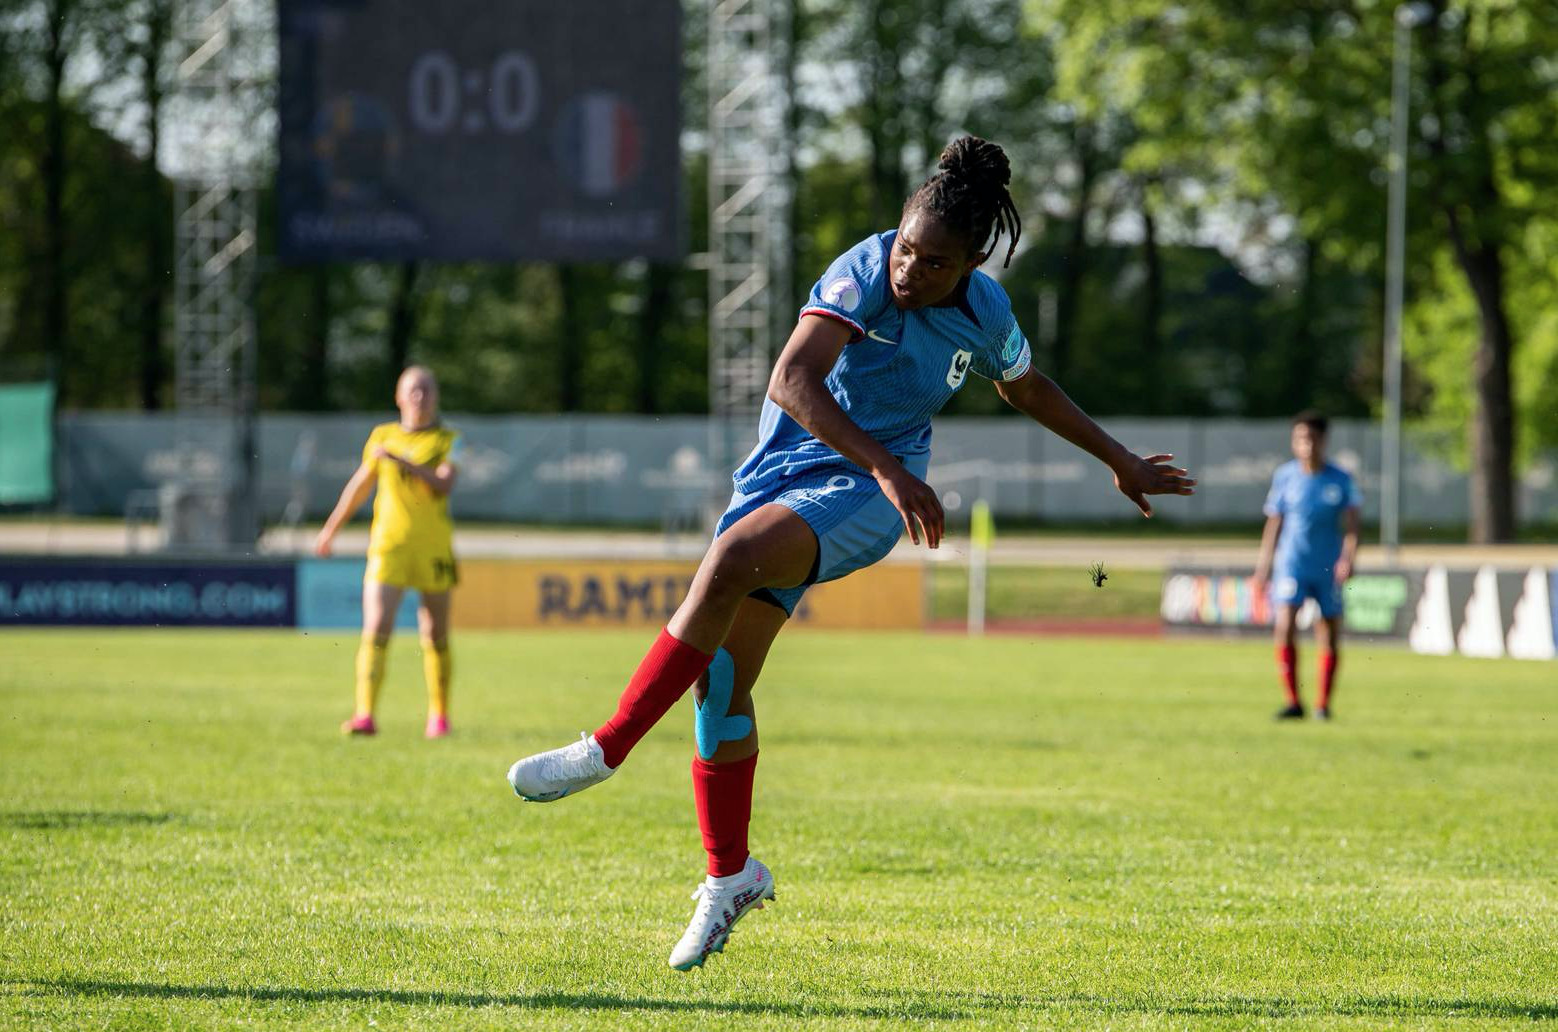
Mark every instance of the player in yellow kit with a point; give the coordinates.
(412, 462)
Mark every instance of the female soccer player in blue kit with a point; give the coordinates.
(889, 334)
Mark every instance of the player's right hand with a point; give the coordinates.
(1152, 476)
(917, 503)
(323, 543)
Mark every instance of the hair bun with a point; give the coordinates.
(976, 161)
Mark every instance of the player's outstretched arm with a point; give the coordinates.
(1040, 398)
(440, 478)
(797, 386)
(356, 491)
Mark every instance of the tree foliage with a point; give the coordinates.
(1202, 188)
(1286, 107)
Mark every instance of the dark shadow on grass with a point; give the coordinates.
(943, 1005)
(1274, 1006)
(58, 820)
(1372, 1006)
(438, 998)
(891, 869)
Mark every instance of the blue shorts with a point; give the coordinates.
(854, 522)
(1290, 586)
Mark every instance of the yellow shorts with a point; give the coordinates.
(428, 572)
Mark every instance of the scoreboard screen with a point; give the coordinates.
(501, 130)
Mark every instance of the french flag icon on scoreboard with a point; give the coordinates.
(600, 143)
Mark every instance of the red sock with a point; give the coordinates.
(663, 676)
(1327, 677)
(723, 792)
(1287, 658)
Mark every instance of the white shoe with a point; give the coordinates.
(721, 903)
(551, 775)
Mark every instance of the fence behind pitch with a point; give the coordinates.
(638, 470)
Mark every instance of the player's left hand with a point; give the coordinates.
(382, 452)
(1152, 476)
(1343, 571)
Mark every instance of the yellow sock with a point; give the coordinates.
(370, 673)
(436, 668)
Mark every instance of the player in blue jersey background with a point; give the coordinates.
(1307, 551)
(890, 332)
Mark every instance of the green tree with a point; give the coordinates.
(1492, 98)
(43, 37)
(134, 37)
(1287, 105)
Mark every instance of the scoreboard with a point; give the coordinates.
(501, 130)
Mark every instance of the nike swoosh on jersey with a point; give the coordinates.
(877, 336)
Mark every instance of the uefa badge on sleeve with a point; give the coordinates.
(842, 293)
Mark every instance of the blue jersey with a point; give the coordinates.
(1311, 506)
(899, 368)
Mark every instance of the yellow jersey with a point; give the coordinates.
(407, 512)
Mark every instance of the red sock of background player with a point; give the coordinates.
(1327, 677)
(663, 676)
(723, 793)
(1287, 658)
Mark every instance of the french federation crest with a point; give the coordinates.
(959, 368)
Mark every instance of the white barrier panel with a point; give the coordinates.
(1488, 613)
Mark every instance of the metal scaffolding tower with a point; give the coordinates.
(212, 503)
(749, 199)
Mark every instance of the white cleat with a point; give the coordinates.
(721, 903)
(549, 776)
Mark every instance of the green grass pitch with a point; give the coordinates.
(998, 834)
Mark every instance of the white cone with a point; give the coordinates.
(1531, 630)
(1431, 627)
(1482, 635)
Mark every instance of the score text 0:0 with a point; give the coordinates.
(506, 95)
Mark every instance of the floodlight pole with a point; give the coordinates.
(1407, 17)
(215, 249)
(750, 302)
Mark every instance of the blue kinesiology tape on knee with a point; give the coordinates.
(713, 722)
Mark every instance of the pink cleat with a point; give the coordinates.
(437, 727)
(359, 725)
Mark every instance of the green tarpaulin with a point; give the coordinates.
(26, 443)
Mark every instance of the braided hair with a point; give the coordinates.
(968, 194)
